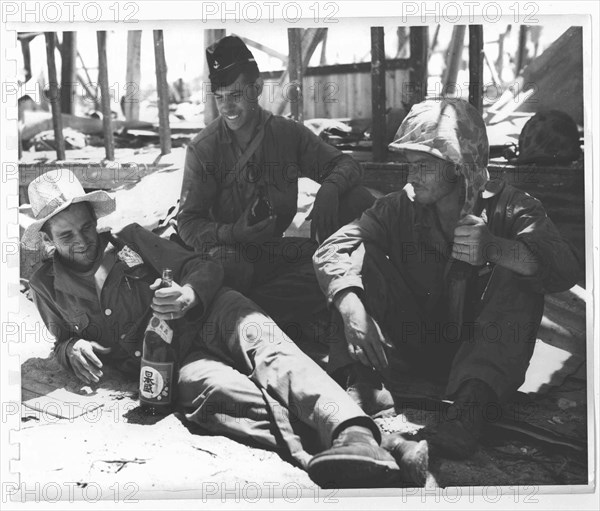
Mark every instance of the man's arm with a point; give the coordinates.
(338, 261)
(528, 244)
(59, 327)
(338, 265)
(337, 173)
(191, 269)
(324, 163)
(198, 194)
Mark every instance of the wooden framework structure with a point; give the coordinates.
(301, 45)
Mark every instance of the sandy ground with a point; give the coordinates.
(104, 444)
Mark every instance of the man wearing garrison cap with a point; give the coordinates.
(240, 191)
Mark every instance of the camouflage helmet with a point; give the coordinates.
(550, 136)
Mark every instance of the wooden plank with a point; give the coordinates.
(310, 39)
(521, 49)
(93, 176)
(109, 143)
(162, 87)
(378, 94)
(54, 95)
(419, 56)
(131, 102)
(454, 60)
(337, 69)
(68, 55)
(58, 403)
(294, 88)
(476, 66)
(269, 51)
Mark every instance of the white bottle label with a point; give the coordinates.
(161, 328)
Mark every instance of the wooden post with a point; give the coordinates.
(54, 96)
(419, 57)
(162, 87)
(131, 102)
(109, 143)
(295, 72)
(26, 50)
(68, 54)
(211, 35)
(378, 132)
(521, 49)
(454, 60)
(476, 66)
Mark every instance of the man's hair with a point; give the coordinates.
(46, 228)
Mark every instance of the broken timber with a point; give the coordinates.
(54, 95)
(162, 88)
(109, 142)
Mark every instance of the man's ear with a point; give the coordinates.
(45, 238)
(259, 84)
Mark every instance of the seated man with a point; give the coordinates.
(239, 374)
(240, 191)
(447, 276)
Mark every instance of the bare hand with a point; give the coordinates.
(472, 241)
(172, 302)
(84, 362)
(257, 233)
(324, 214)
(364, 337)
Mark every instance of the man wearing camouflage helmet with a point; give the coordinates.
(447, 277)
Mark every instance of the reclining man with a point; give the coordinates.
(240, 192)
(447, 276)
(240, 375)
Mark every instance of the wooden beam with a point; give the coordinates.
(295, 72)
(521, 49)
(131, 102)
(476, 66)
(269, 51)
(340, 69)
(26, 50)
(211, 35)
(54, 95)
(454, 58)
(162, 88)
(109, 143)
(311, 37)
(68, 55)
(419, 57)
(378, 131)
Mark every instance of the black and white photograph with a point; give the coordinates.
(299, 254)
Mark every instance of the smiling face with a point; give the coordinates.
(432, 178)
(73, 233)
(238, 102)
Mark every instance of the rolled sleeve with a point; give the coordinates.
(339, 260)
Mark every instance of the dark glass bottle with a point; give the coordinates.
(261, 208)
(158, 371)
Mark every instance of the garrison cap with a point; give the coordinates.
(227, 59)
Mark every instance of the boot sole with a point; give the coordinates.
(348, 471)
